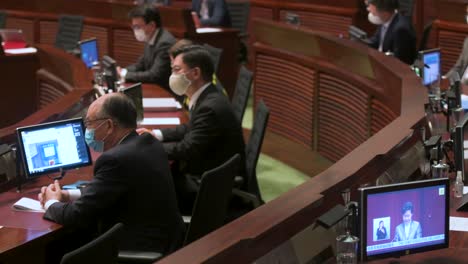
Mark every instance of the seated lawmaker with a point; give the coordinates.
(213, 134)
(132, 183)
(212, 13)
(154, 65)
(395, 33)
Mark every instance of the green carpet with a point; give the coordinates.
(274, 177)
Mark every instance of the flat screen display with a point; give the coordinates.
(89, 52)
(404, 218)
(136, 94)
(50, 147)
(431, 68)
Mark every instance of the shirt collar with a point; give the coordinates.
(153, 38)
(194, 99)
(124, 137)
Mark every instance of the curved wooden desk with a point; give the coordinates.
(350, 103)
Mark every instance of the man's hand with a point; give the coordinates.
(145, 130)
(52, 192)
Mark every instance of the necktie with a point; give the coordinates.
(204, 10)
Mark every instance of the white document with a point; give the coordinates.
(161, 104)
(160, 121)
(458, 223)
(208, 30)
(21, 51)
(464, 101)
(28, 205)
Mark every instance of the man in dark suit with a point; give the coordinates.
(395, 33)
(212, 13)
(213, 133)
(154, 65)
(132, 183)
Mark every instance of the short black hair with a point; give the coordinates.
(385, 5)
(121, 109)
(148, 13)
(407, 206)
(197, 56)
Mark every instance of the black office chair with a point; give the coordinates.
(425, 36)
(69, 32)
(101, 250)
(242, 92)
(209, 210)
(215, 54)
(3, 17)
(239, 12)
(252, 152)
(406, 7)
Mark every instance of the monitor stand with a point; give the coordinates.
(62, 174)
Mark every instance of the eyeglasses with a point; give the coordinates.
(89, 121)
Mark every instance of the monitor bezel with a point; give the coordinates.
(364, 192)
(459, 153)
(81, 42)
(422, 53)
(29, 175)
(139, 108)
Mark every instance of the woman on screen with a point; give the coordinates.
(409, 229)
(381, 231)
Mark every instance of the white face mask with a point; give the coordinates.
(376, 20)
(179, 83)
(140, 35)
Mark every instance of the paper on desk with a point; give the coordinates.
(465, 189)
(459, 224)
(21, 51)
(160, 121)
(28, 205)
(208, 30)
(464, 101)
(161, 103)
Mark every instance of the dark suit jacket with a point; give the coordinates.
(211, 137)
(217, 11)
(154, 66)
(415, 231)
(400, 39)
(132, 184)
(462, 61)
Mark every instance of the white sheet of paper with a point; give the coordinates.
(160, 121)
(465, 189)
(459, 224)
(208, 30)
(21, 51)
(28, 205)
(161, 102)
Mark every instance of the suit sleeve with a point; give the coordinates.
(138, 66)
(404, 45)
(101, 194)
(219, 11)
(419, 231)
(460, 66)
(159, 70)
(202, 134)
(174, 134)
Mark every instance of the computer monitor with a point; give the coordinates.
(135, 93)
(52, 147)
(89, 51)
(431, 66)
(459, 137)
(109, 66)
(404, 218)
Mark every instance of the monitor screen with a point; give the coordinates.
(50, 147)
(460, 146)
(135, 93)
(89, 52)
(404, 218)
(431, 65)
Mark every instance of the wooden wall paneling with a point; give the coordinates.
(450, 42)
(25, 24)
(381, 115)
(126, 49)
(287, 89)
(48, 31)
(50, 88)
(256, 12)
(101, 33)
(342, 116)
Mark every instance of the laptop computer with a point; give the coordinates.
(12, 39)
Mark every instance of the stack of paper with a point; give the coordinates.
(28, 205)
(161, 104)
(160, 121)
(21, 51)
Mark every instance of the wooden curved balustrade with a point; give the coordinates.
(449, 37)
(362, 109)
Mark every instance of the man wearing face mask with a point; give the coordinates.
(395, 33)
(132, 183)
(461, 66)
(213, 133)
(154, 65)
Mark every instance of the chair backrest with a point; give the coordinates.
(209, 211)
(242, 92)
(216, 55)
(406, 7)
(239, 12)
(253, 147)
(425, 36)
(3, 17)
(101, 250)
(69, 32)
